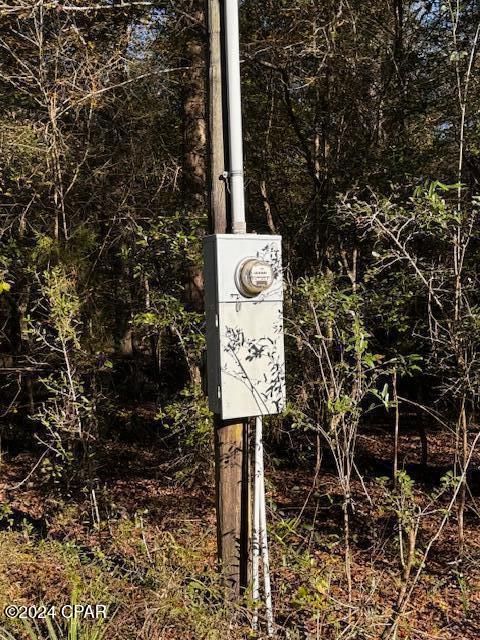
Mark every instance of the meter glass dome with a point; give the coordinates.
(253, 277)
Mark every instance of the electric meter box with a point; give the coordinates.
(244, 316)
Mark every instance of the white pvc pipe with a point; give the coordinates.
(260, 539)
(264, 552)
(234, 107)
(256, 521)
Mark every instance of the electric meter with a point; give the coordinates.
(244, 324)
(253, 276)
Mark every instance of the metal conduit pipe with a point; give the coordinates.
(234, 108)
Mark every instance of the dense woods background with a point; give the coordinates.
(363, 152)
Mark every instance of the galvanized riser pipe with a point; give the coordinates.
(234, 106)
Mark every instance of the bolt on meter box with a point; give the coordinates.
(244, 315)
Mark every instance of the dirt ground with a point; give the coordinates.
(149, 529)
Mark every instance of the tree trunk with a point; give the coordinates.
(195, 145)
(194, 109)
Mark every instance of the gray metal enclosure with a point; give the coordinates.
(245, 350)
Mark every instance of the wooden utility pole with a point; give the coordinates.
(231, 437)
(216, 146)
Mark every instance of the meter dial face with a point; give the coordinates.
(253, 276)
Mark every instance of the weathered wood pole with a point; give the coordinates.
(231, 437)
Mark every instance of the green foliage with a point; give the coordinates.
(45, 250)
(189, 418)
(68, 415)
(329, 326)
(61, 294)
(400, 501)
(6, 514)
(170, 312)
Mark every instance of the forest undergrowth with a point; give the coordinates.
(146, 548)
